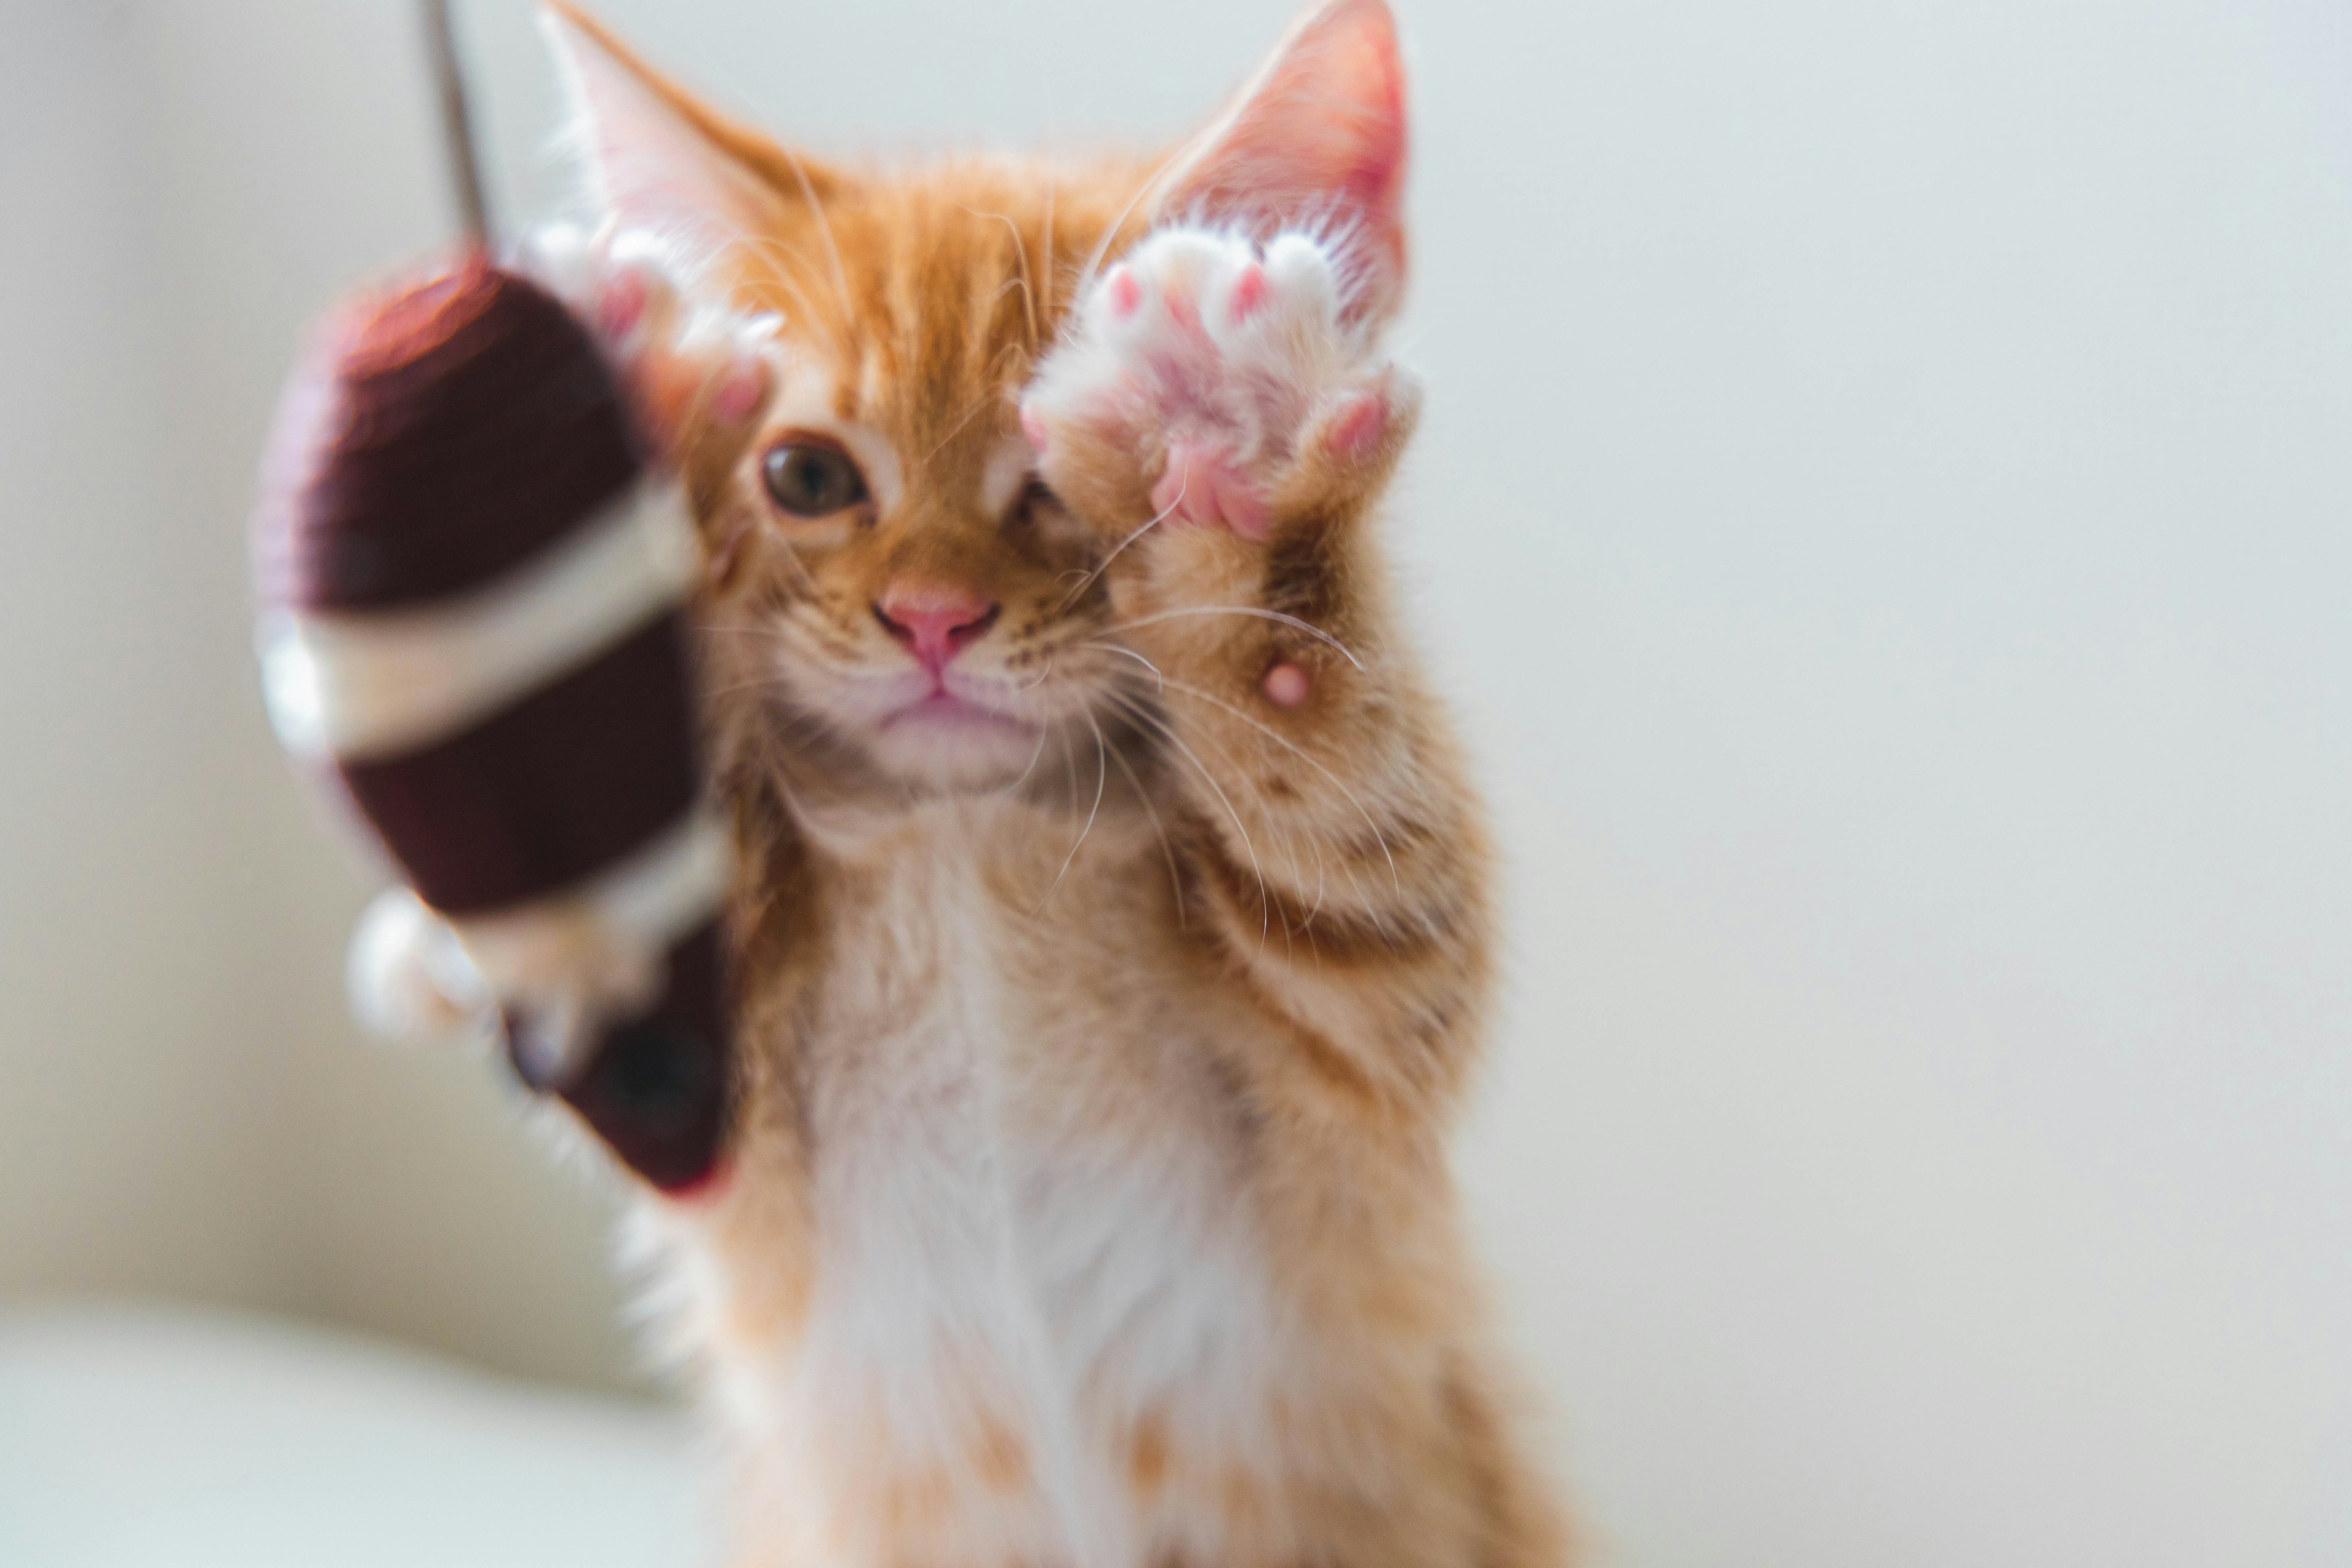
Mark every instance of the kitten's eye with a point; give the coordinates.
(811, 479)
(1035, 496)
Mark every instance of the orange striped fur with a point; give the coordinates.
(1091, 1204)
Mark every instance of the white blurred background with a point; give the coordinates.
(1883, 508)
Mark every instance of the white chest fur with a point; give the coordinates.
(1034, 1245)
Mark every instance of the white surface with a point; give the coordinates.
(142, 1438)
(1883, 499)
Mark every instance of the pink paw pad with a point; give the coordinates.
(1285, 685)
(1249, 293)
(1200, 487)
(741, 390)
(620, 303)
(1123, 292)
(1357, 425)
(1187, 488)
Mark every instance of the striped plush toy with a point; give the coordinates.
(470, 586)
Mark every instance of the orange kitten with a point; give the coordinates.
(1116, 938)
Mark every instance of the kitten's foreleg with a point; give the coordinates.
(1222, 399)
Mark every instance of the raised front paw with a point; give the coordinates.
(687, 369)
(1203, 380)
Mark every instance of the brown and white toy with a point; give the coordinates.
(471, 584)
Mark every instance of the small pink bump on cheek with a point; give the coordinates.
(1249, 291)
(1285, 685)
(1123, 292)
(1032, 424)
(740, 392)
(1358, 426)
(621, 304)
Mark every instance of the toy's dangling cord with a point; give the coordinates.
(456, 126)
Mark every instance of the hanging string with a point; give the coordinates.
(457, 124)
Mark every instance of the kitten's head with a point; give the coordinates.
(891, 585)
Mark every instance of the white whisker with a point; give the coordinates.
(1158, 828)
(1020, 250)
(1045, 264)
(1167, 733)
(1109, 235)
(1309, 628)
(1127, 652)
(1164, 515)
(1044, 733)
(787, 257)
(1102, 774)
(823, 229)
(1187, 689)
(977, 404)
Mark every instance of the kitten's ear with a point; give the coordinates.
(1318, 136)
(657, 157)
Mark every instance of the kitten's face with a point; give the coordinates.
(891, 585)
(900, 585)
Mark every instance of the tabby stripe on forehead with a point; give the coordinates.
(360, 684)
(548, 792)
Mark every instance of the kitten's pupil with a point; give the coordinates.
(808, 479)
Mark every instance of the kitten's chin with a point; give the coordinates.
(954, 745)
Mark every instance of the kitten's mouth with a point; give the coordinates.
(943, 712)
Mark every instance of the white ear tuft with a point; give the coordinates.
(653, 158)
(1317, 141)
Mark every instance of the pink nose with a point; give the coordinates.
(936, 623)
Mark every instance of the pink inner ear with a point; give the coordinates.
(1320, 135)
(650, 165)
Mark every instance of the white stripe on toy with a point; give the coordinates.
(632, 911)
(353, 684)
(414, 970)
